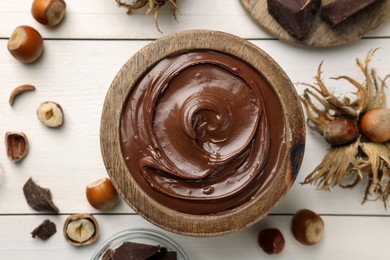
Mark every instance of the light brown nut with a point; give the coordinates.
(50, 114)
(81, 229)
(25, 44)
(48, 12)
(16, 145)
(101, 194)
(19, 90)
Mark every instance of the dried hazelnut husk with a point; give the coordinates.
(50, 114)
(307, 227)
(17, 145)
(341, 131)
(271, 240)
(25, 44)
(375, 125)
(48, 12)
(81, 229)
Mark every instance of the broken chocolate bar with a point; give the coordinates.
(38, 198)
(138, 251)
(338, 11)
(44, 230)
(295, 16)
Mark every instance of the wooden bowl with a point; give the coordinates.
(286, 140)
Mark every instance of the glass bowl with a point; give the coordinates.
(144, 236)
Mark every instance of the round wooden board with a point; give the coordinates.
(321, 34)
(170, 219)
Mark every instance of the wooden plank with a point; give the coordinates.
(90, 19)
(345, 237)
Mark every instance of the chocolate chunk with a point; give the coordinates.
(135, 251)
(138, 251)
(295, 16)
(109, 255)
(338, 11)
(38, 198)
(44, 230)
(164, 255)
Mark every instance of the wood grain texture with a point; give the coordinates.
(321, 34)
(201, 225)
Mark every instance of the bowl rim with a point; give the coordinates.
(147, 233)
(172, 220)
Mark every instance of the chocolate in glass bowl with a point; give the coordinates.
(202, 133)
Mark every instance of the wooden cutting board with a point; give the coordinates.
(321, 34)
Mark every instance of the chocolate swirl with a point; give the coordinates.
(195, 133)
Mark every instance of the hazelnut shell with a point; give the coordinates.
(77, 217)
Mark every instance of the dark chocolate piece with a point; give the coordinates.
(109, 254)
(38, 198)
(135, 251)
(44, 230)
(295, 16)
(338, 11)
(164, 255)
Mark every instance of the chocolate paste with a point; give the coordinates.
(202, 132)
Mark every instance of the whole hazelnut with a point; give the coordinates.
(271, 240)
(341, 131)
(375, 125)
(307, 227)
(48, 12)
(101, 194)
(25, 44)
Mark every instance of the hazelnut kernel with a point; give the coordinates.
(50, 114)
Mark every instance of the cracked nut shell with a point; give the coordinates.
(50, 114)
(16, 145)
(81, 229)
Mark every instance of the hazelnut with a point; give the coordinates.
(341, 131)
(48, 12)
(25, 44)
(17, 146)
(50, 114)
(101, 194)
(271, 240)
(307, 227)
(375, 125)
(19, 90)
(81, 229)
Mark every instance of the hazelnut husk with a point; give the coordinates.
(48, 12)
(81, 229)
(25, 44)
(16, 145)
(271, 240)
(307, 227)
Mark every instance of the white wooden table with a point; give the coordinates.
(81, 58)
